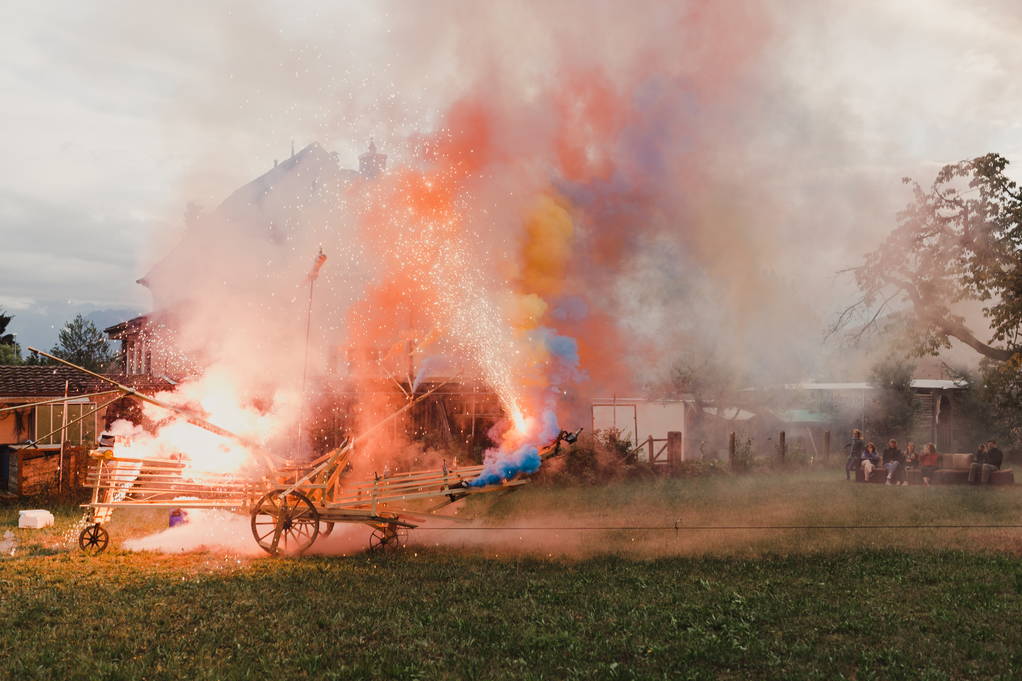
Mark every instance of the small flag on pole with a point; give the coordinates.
(316, 265)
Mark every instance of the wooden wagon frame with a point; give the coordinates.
(290, 506)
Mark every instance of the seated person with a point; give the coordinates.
(854, 453)
(870, 461)
(928, 462)
(893, 460)
(988, 459)
(911, 455)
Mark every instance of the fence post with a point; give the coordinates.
(649, 444)
(782, 446)
(674, 445)
(826, 445)
(731, 450)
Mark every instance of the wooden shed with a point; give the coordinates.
(33, 457)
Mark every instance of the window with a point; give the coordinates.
(50, 417)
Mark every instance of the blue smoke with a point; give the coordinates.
(502, 466)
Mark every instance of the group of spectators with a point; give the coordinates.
(863, 456)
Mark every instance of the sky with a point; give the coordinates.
(118, 114)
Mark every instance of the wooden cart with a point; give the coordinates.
(289, 517)
(290, 505)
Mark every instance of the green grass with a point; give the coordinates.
(775, 605)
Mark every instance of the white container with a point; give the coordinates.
(34, 519)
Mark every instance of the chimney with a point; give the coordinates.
(371, 163)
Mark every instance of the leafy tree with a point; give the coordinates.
(958, 240)
(5, 338)
(10, 351)
(989, 407)
(10, 354)
(890, 413)
(81, 343)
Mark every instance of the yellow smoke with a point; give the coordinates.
(544, 256)
(547, 247)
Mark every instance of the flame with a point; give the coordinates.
(219, 398)
(518, 420)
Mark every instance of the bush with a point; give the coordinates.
(594, 459)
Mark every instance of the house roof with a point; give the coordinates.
(48, 381)
(920, 383)
(311, 175)
(134, 323)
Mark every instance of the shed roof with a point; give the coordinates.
(918, 383)
(48, 381)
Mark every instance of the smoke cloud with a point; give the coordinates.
(640, 185)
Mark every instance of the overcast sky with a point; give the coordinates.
(116, 114)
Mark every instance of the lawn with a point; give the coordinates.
(554, 603)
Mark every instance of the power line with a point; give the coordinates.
(679, 527)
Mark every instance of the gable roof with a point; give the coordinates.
(48, 381)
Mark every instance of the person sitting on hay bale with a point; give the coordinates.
(988, 459)
(911, 455)
(928, 462)
(870, 461)
(894, 463)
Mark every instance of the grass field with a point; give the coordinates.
(553, 604)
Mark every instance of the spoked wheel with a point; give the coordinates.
(325, 528)
(285, 523)
(388, 538)
(93, 539)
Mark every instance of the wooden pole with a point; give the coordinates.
(782, 446)
(731, 450)
(674, 446)
(826, 445)
(63, 437)
(313, 275)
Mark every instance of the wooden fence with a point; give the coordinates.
(668, 452)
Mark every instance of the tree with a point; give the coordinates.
(5, 338)
(10, 354)
(10, 351)
(81, 343)
(890, 413)
(958, 240)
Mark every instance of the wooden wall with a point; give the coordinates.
(36, 472)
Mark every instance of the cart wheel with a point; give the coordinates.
(387, 538)
(325, 528)
(93, 539)
(285, 523)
